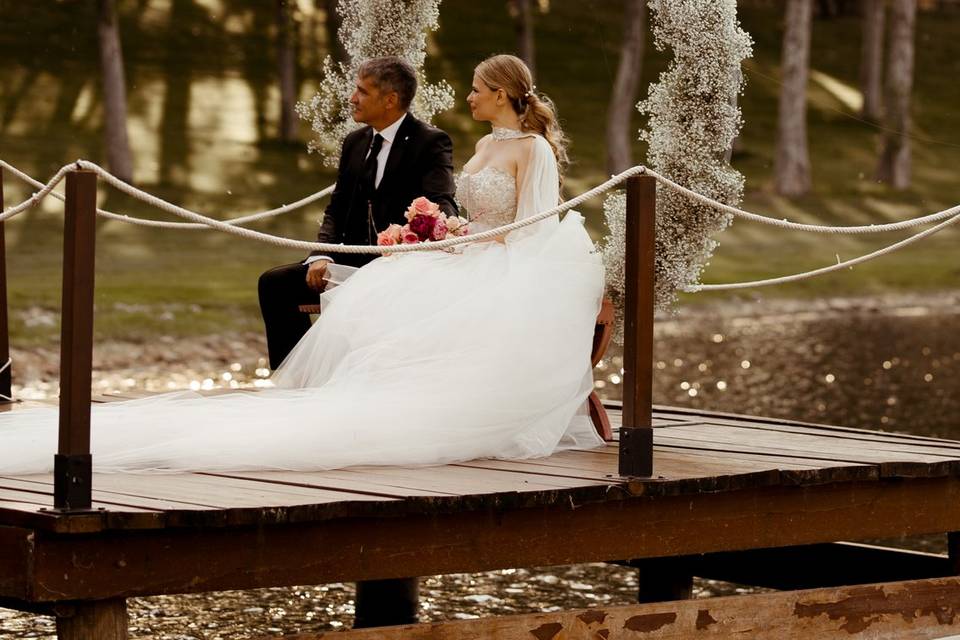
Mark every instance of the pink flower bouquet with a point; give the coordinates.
(426, 222)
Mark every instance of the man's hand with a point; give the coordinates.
(317, 275)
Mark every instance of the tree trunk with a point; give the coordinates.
(894, 166)
(523, 24)
(175, 147)
(828, 8)
(624, 95)
(119, 158)
(337, 51)
(792, 162)
(871, 60)
(287, 67)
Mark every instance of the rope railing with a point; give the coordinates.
(36, 197)
(221, 225)
(823, 270)
(698, 197)
(945, 218)
(797, 226)
(310, 199)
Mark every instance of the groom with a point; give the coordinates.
(383, 167)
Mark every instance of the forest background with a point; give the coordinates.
(208, 87)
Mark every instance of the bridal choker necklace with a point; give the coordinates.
(503, 133)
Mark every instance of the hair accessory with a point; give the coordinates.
(529, 94)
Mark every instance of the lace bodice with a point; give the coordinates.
(488, 196)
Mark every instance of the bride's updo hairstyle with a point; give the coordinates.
(537, 113)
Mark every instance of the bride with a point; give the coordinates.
(421, 358)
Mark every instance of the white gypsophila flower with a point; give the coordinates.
(693, 121)
(611, 249)
(373, 28)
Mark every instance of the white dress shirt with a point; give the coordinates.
(388, 134)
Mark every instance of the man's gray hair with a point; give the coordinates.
(391, 73)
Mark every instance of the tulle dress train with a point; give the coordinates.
(422, 358)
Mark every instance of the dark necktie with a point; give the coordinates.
(370, 166)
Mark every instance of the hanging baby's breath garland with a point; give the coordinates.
(373, 28)
(693, 121)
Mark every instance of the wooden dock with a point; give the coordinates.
(683, 493)
(733, 497)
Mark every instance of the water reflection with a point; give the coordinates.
(859, 365)
(252, 614)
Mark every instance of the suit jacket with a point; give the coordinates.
(420, 163)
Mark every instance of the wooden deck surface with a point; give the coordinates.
(723, 483)
(695, 452)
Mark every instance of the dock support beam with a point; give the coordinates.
(6, 375)
(663, 579)
(101, 619)
(636, 434)
(73, 466)
(381, 603)
(953, 551)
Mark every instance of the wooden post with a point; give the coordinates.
(73, 465)
(383, 603)
(6, 376)
(103, 620)
(953, 551)
(636, 434)
(663, 579)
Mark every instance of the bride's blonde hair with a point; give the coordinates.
(537, 112)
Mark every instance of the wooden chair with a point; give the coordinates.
(602, 333)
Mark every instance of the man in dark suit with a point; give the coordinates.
(383, 167)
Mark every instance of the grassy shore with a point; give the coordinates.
(202, 112)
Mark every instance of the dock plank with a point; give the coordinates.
(833, 432)
(793, 469)
(812, 441)
(225, 493)
(462, 481)
(31, 500)
(809, 444)
(708, 416)
(326, 480)
(44, 484)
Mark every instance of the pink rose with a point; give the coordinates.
(423, 206)
(439, 229)
(389, 236)
(408, 236)
(423, 225)
(385, 240)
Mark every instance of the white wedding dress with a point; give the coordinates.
(422, 358)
